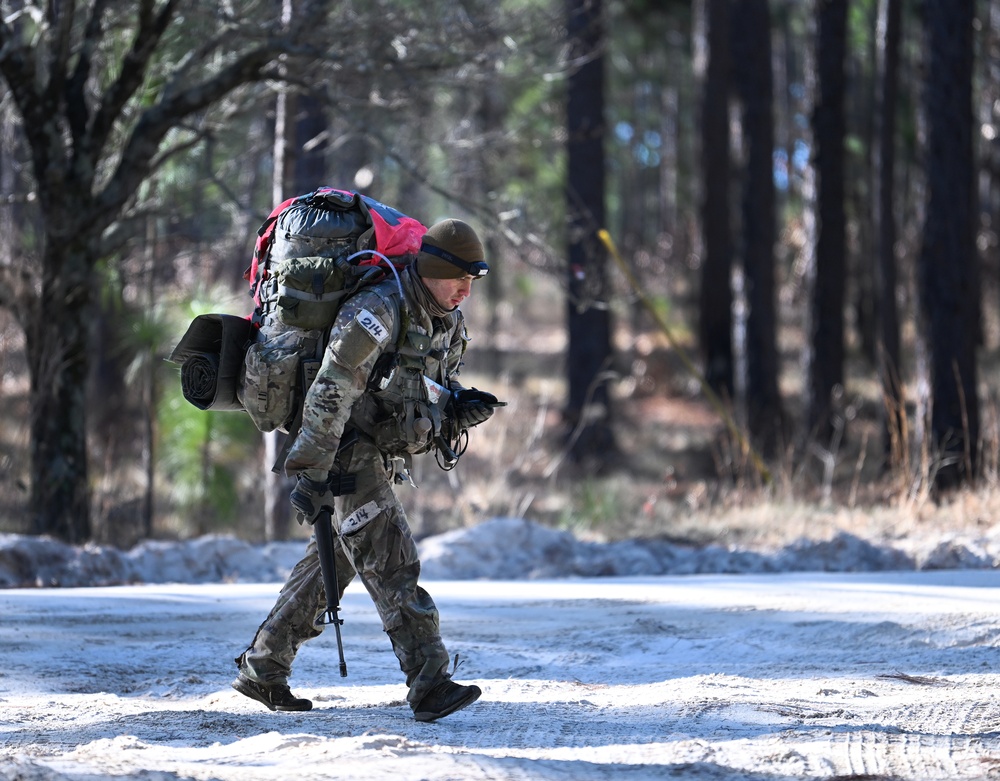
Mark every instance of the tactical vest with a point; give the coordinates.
(402, 409)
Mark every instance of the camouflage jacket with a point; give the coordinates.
(381, 374)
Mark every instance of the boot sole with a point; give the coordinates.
(253, 694)
(470, 698)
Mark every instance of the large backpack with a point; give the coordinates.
(312, 252)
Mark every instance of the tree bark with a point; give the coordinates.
(888, 356)
(826, 364)
(588, 411)
(947, 262)
(716, 297)
(57, 346)
(752, 48)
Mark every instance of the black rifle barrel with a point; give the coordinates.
(323, 529)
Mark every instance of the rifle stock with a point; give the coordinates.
(323, 529)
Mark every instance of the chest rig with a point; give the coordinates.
(403, 407)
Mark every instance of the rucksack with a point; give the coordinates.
(311, 253)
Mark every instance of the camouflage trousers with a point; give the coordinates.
(373, 541)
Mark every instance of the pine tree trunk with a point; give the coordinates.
(886, 314)
(57, 342)
(947, 263)
(752, 46)
(826, 365)
(588, 410)
(716, 297)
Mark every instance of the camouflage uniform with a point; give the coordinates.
(393, 422)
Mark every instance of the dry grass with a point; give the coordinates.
(667, 484)
(679, 475)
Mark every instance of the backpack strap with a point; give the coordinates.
(401, 323)
(261, 251)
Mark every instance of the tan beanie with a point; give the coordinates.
(451, 250)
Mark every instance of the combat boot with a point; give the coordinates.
(446, 697)
(276, 696)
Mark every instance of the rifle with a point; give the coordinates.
(340, 484)
(328, 566)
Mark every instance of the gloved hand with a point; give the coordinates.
(311, 494)
(470, 407)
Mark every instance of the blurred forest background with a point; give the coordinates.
(789, 327)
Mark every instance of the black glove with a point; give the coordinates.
(310, 496)
(470, 407)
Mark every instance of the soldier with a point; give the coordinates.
(394, 350)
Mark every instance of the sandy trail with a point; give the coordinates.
(889, 675)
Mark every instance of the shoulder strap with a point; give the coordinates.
(254, 274)
(402, 323)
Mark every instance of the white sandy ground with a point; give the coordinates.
(887, 675)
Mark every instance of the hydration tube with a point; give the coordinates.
(389, 263)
